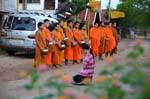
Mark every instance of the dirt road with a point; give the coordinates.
(11, 67)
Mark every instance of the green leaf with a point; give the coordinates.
(34, 76)
(29, 87)
(47, 96)
(133, 55)
(118, 68)
(105, 72)
(115, 92)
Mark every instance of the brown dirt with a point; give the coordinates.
(12, 67)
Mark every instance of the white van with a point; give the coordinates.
(16, 31)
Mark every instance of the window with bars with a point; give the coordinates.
(30, 1)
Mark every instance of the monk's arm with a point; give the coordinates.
(37, 42)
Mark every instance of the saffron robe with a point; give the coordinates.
(95, 40)
(69, 49)
(103, 41)
(40, 44)
(111, 43)
(62, 37)
(48, 57)
(77, 51)
(56, 55)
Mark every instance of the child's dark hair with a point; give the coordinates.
(86, 47)
(91, 52)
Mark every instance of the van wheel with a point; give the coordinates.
(10, 52)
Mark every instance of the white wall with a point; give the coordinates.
(34, 6)
(10, 5)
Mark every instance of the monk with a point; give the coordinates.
(84, 35)
(61, 30)
(69, 49)
(40, 45)
(77, 51)
(111, 40)
(56, 59)
(48, 57)
(95, 39)
(116, 36)
(103, 40)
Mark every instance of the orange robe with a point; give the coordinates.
(62, 37)
(102, 40)
(111, 43)
(77, 51)
(84, 36)
(115, 34)
(56, 59)
(41, 41)
(95, 40)
(69, 49)
(48, 57)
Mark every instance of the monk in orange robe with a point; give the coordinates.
(48, 57)
(95, 39)
(111, 43)
(103, 40)
(69, 49)
(61, 30)
(84, 35)
(40, 45)
(77, 51)
(56, 59)
(116, 36)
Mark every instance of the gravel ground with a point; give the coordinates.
(12, 81)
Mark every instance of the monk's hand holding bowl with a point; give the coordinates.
(50, 43)
(44, 51)
(82, 42)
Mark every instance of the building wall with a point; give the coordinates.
(8, 5)
(34, 6)
(50, 4)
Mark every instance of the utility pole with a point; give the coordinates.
(109, 5)
(24, 4)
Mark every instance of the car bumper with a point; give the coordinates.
(20, 48)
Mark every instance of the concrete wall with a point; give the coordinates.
(10, 5)
(34, 6)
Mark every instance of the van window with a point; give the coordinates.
(24, 23)
(8, 22)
